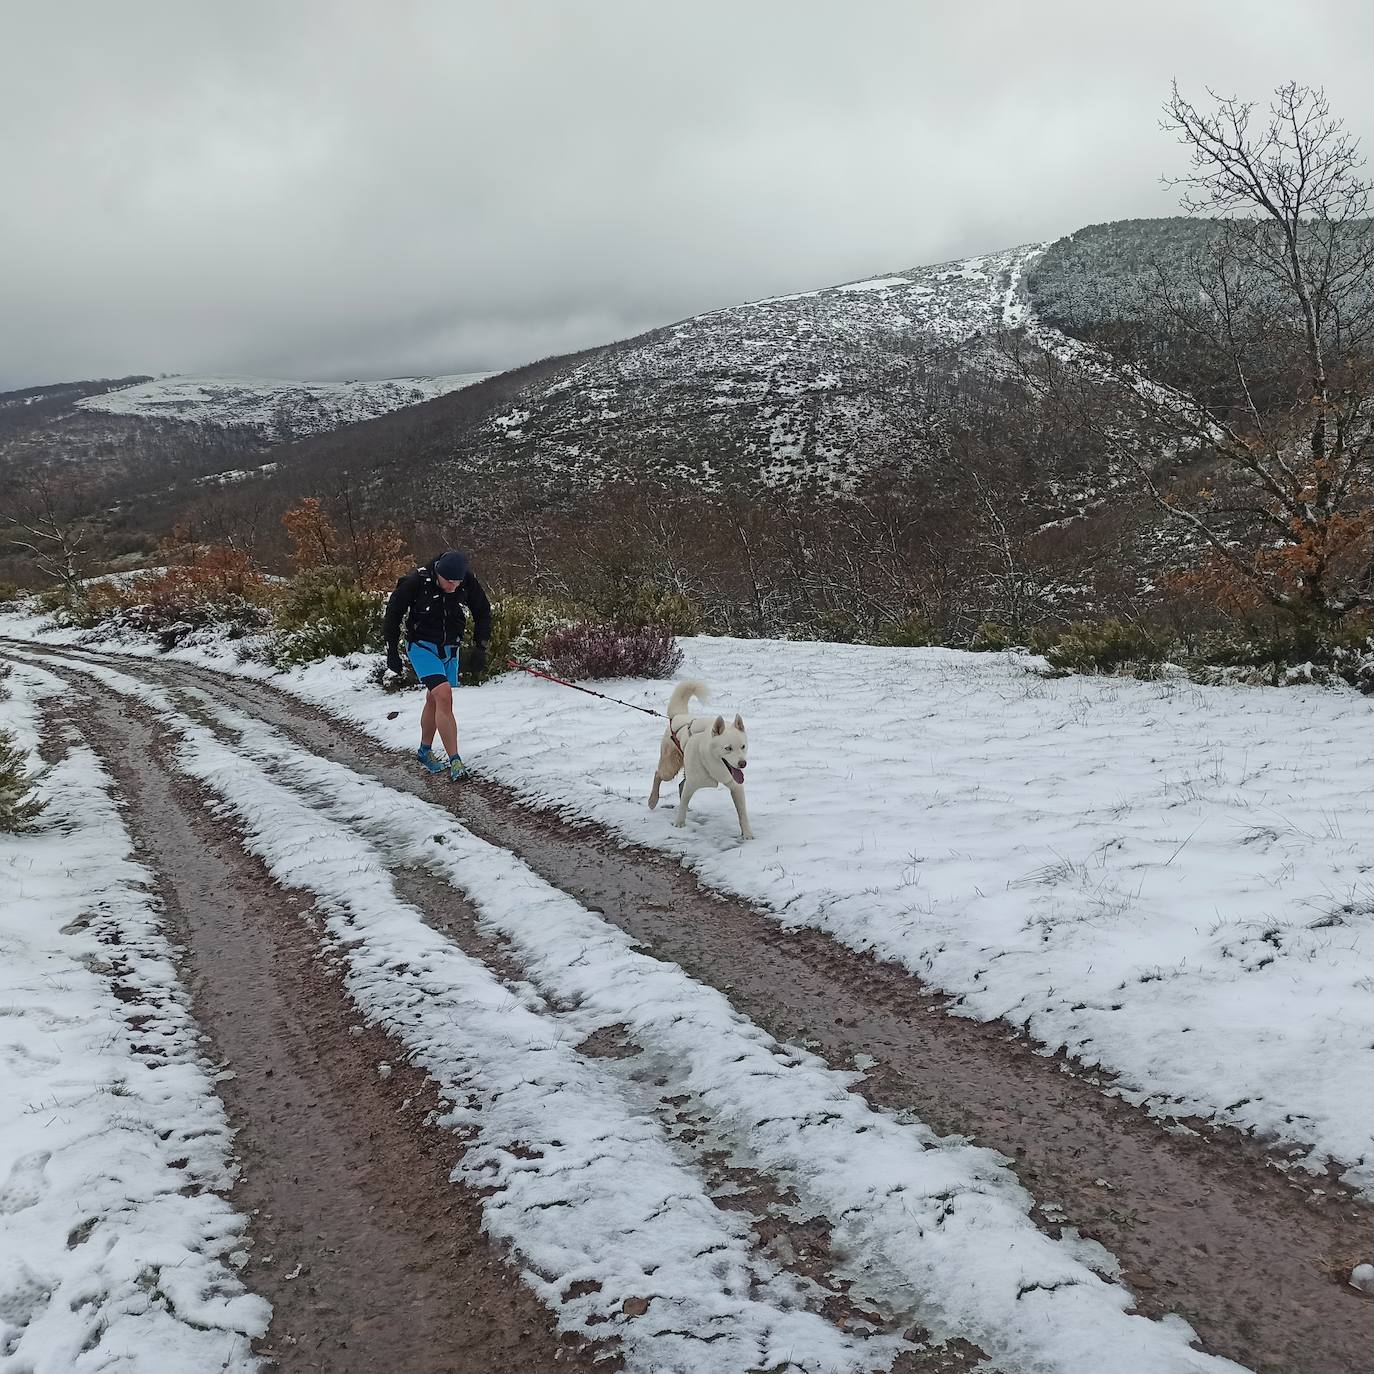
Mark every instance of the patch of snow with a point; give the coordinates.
(933, 1229)
(1164, 880)
(268, 404)
(115, 1243)
(874, 284)
(589, 1192)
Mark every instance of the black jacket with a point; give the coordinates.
(433, 615)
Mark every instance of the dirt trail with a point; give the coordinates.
(371, 1258)
(1203, 1225)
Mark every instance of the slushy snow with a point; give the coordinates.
(583, 1184)
(1170, 882)
(115, 1241)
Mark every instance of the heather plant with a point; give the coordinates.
(519, 627)
(589, 651)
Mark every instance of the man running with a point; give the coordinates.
(431, 600)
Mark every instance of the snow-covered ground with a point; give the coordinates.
(265, 403)
(1171, 882)
(579, 1173)
(115, 1243)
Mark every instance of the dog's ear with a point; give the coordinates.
(719, 727)
(739, 721)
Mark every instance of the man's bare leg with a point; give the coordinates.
(438, 714)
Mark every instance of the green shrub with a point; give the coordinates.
(1286, 643)
(641, 603)
(912, 633)
(55, 600)
(519, 625)
(1287, 651)
(1105, 646)
(990, 637)
(1043, 638)
(8, 593)
(19, 806)
(835, 627)
(324, 613)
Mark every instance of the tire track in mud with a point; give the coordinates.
(800, 1249)
(1201, 1225)
(370, 1257)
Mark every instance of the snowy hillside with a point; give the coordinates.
(278, 410)
(819, 386)
(142, 445)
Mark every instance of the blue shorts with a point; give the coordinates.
(433, 664)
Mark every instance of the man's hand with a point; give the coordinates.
(393, 660)
(477, 659)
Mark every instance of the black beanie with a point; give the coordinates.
(451, 566)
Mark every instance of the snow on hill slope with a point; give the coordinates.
(276, 409)
(816, 387)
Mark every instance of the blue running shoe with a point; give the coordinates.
(456, 769)
(429, 761)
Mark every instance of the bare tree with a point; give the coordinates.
(48, 528)
(1280, 300)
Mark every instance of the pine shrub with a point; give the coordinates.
(912, 633)
(992, 637)
(644, 605)
(20, 807)
(1106, 646)
(324, 613)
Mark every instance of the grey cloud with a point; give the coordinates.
(325, 189)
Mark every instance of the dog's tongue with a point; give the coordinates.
(736, 773)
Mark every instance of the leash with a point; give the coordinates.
(548, 677)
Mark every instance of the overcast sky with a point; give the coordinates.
(324, 189)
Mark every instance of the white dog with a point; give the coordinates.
(712, 753)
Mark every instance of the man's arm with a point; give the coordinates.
(480, 607)
(398, 603)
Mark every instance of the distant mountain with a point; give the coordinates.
(808, 392)
(35, 406)
(140, 440)
(277, 411)
(812, 390)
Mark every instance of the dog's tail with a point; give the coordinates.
(682, 697)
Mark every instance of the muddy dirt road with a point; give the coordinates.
(373, 1259)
